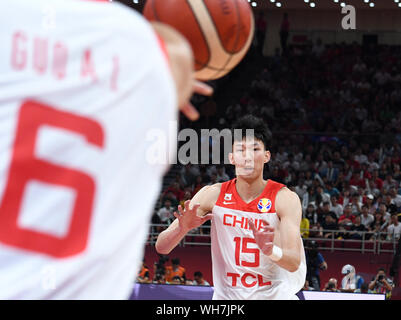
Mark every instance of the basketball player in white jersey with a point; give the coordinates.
(81, 85)
(257, 250)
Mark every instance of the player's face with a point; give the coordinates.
(249, 157)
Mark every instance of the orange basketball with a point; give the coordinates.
(219, 31)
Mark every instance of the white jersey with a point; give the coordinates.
(85, 89)
(240, 270)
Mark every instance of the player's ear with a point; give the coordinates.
(267, 156)
(231, 158)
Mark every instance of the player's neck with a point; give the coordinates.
(250, 190)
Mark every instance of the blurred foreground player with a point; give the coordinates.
(83, 83)
(257, 250)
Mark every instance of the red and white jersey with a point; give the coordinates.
(240, 270)
(85, 89)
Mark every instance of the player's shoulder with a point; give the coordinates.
(285, 192)
(212, 190)
(208, 195)
(286, 197)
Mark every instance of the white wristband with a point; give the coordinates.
(277, 253)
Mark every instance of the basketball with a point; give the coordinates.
(219, 31)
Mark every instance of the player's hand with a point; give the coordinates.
(264, 238)
(188, 218)
(188, 109)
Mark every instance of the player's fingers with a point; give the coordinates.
(202, 88)
(207, 217)
(180, 211)
(190, 111)
(267, 248)
(268, 229)
(177, 215)
(252, 226)
(186, 205)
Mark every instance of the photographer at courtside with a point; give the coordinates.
(381, 284)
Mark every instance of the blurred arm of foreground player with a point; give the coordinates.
(181, 63)
(288, 236)
(195, 213)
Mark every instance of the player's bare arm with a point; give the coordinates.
(287, 239)
(195, 212)
(181, 63)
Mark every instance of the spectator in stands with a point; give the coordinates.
(394, 229)
(175, 270)
(330, 172)
(369, 203)
(310, 197)
(199, 280)
(159, 277)
(169, 195)
(305, 226)
(312, 216)
(381, 283)
(356, 205)
(331, 286)
(396, 198)
(165, 213)
(346, 198)
(390, 204)
(143, 275)
(325, 197)
(357, 229)
(315, 264)
(389, 182)
(335, 206)
(301, 188)
(347, 219)
(176, 280)
(175, 189)
(329, 224)
(325, 211)
(383, 211)
(367, 219)
(351, 280)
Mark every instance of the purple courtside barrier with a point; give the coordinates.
(148, 291)
(180, 292)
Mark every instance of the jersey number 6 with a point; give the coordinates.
(25, 167)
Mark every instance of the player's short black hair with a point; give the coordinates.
(261, 130)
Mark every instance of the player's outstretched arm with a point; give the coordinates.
(284, 245)
(195, 213)
(181, 63)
